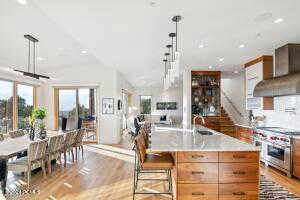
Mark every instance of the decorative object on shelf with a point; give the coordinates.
(32, 74)
(120, 105)
(107, 106)
(171, 60)
(37, 124)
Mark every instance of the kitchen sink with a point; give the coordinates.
(205, 132)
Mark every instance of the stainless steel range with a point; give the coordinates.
(276, 147)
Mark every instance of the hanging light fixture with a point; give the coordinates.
(172, 70)
(167, 76)
(176, 19)
(32, 74)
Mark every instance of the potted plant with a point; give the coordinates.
(37, 122)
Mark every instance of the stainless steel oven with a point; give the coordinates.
(278, 156)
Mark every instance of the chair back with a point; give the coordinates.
(1, 137)
(145, 138)
(37, 150)
(79, 136)
(140, 148)
(55, 143)
(70, 138)
(17, 133)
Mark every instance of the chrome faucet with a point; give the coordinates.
(198, 116)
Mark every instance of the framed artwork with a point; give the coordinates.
(107, 106)
(160, 106)
(171, 106)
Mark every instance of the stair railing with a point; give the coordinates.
(232, 104)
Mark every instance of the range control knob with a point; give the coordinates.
(274, 138)
(284, 139)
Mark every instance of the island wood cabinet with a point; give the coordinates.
(256, 71)
(217, 175)
(296, 157)
(244, 134)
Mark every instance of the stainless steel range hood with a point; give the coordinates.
(286, 80)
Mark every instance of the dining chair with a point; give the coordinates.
(79, 141)
(68, 145)
(54, 150)
(36, 158)
(17, 133)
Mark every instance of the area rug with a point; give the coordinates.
(273, 191)
(18, 192)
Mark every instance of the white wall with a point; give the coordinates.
(233, 85)
(159, 95)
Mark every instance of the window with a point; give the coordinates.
(67, 104)
(6, 106)
(145, 104)
(25, 105)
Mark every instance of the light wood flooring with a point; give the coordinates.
(106, 175)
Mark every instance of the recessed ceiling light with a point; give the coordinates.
(221, 59)
(22, 2)
(279, 20)
(84, 52)
(201, 45)
(39, 58)
(242, 46)
(236, 72)
(209, 67)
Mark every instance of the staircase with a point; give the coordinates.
(226, 124)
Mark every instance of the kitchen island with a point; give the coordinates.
(209, 164)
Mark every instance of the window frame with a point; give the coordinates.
(15, 99)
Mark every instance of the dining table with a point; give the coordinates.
(10, 148)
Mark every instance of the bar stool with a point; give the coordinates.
(151, 163)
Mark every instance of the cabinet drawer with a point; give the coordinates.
(198, 191)
(184, 157)
(243, 156)
(197, 172)
(238, 172)
(242, 191)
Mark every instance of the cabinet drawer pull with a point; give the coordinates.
(197, 193)
(197, 172)
(239, 156)
(239, 193)
(197, 156)
(239, 172)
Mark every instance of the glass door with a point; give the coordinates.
(25, 105)
(67, 114)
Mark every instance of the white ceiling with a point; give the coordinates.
(131, 35)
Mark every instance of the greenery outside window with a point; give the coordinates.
(145, 104)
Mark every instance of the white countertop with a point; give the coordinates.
(168, 139)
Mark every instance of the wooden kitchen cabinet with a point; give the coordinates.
(296, 157)
(256, 71)
(244, 134)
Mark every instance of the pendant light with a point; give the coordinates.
(176, 19)
(172, 70)
(32, 74)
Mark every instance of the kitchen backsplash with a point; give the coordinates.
(279, 117)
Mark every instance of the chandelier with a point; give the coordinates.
(171, 60)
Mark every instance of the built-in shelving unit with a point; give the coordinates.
(206, 94)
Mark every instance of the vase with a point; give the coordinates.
(31, 133)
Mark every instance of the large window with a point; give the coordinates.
(25, 105)
(145, 104)
(16, 104)
(77, 107)
(6, 106)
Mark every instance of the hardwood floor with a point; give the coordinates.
(108, 175)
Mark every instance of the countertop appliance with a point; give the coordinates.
(276, 146)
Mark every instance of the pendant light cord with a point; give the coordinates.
(28, 55)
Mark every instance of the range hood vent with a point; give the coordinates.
(286, 80)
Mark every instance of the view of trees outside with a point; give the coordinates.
(25, 105)
(145, 104)
(84, 108)
(6, 106)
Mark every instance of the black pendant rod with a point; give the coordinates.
(34, 57)
(165, 61)
(176, 19)
(28, 56)
(172, 35)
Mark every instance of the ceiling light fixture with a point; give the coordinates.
(241, 46)
(22, 2)
(39, 58)
(33, 40)
(236, 72)
(201, 46)
(209, 67)
(84, 52)
(279, 20)
(221, 59)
